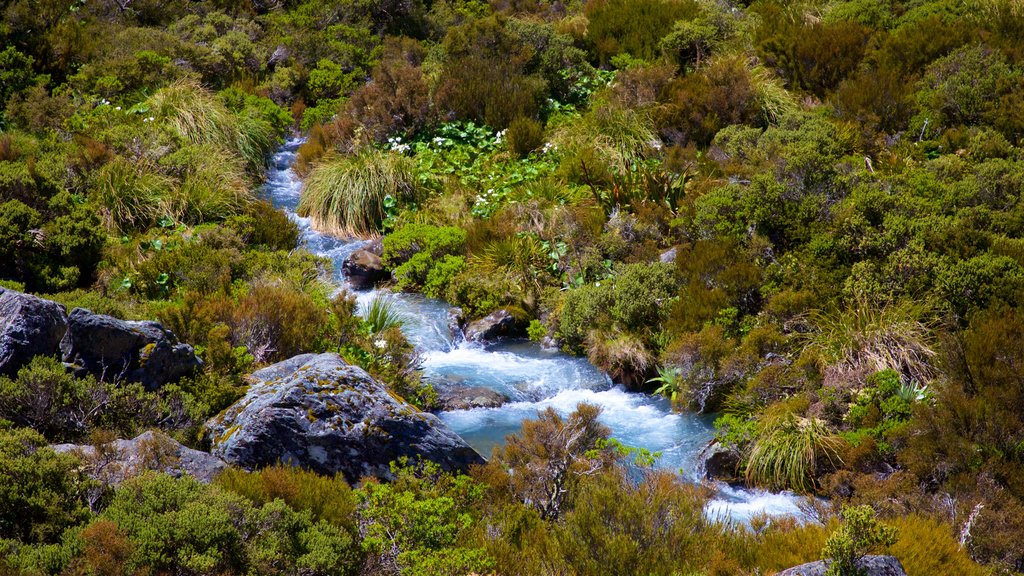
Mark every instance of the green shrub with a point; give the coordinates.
(348, 195)
(43, 492)
(634, 27)
(525, 135)
(413, 250)
(858, 534)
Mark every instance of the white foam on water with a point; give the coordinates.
(741, 504)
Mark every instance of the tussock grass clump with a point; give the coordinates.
(213, 186)
(346, 195)
(382, 314)
(195, 115)
(787, 449)
(866, 338)
(607, 140)
(129, 195)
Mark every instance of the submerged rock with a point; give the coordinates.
(318, 412)
(364, 269)
(113, 350)
(497, 324)
(468, 397)
(123, 459)
(29, 326)
(869, 566)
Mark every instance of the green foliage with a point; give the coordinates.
(858, 534)
(348, 195)
(181, 525)
(788, 449)
(536, 330)
(633, 27)
(41, 492)
(415, 250)
(415, 524)
(382, 314)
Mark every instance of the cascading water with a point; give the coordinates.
(534, 378)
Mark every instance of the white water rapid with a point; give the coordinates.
(534, 378)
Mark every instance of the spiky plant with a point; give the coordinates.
(671, 380)
(622, 355)
(382, 314)
(345, 195)
(787, 449)
(875, 338)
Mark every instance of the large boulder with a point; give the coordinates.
(318, 412)
(123, 459)
(498, 324)
(29, 326)
(114, 350)
(364, 269)
(869, 566)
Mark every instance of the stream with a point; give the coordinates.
(533, 377)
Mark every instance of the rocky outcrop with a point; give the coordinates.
(364, 269)
(318, 412)
(469, 397)
(29, 326)
(123, 459)
(668, 256)
(497, 324)
(869, 566)
(113, 349)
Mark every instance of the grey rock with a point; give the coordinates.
(113, 349)
(468, 397)
(720, 463)
(29, 326)
(124, 459)
(364, 269)
(869, 565)
(497, 324)
(669, 256)
(320, 413)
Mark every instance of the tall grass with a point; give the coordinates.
(775, 101)
(129, 195)
(213, 186)
(345, 195)
(381, 314)
(195, 115)
(870, 337)
(617, 138)
(787, 449)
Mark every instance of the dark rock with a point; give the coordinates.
(468, 397)
(124, 459)
(320, 413)
(29, 326)
(869, 565)
(364, 269)
(456, 318)
(113, 350)
(498, 324)
(720, 463)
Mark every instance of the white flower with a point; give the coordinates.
(118, 108)
(380, 344)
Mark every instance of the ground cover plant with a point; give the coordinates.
(803, 217)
